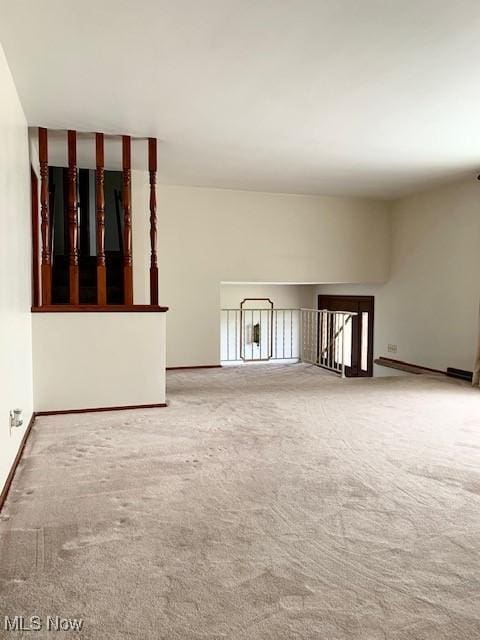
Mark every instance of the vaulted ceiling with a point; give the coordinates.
(364, 97)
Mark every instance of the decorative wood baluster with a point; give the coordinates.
(100, 206)
(152, 167)
(73, 218)
(127, 219)
(46, 266)
(35, 234)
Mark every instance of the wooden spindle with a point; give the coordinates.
(35, 230)
(127, 222)
(46, 266)
(73, 218)
(152, 167)
(100, 207)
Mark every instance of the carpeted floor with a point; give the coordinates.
(273, 502)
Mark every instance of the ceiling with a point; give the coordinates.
(357, 97)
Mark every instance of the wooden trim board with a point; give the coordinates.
(16, 462)
(406, 366)
(98, 308)
(198, 366)
(61, 412)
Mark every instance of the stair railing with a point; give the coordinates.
(323, 339)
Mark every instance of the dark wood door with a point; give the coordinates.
(358, 332)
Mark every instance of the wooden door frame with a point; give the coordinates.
(368, 304)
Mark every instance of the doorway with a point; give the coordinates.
(358, 332)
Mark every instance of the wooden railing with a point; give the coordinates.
(256, 335)
(100, 218)
(127, 221)
(46, 268)
(323, 340)
(74, 290)
(42, 294)
(152, 168)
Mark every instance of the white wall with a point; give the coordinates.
(88, 360)
(207, 236)
(435, 283)
(429, 306)
(287, 296)
(15, 279)
(426, 299)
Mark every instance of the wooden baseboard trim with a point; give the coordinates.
(16, 462)
(100, 308)
(198, 366)
(61, 412)
(461, 374)
(408, 367)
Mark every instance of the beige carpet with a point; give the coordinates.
(273, 502)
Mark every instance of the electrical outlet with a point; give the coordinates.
(16, 419)
(392, 348)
